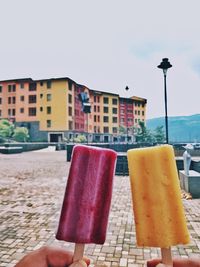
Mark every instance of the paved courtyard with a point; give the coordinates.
(32, 186)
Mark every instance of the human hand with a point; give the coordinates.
(50, 257)
(176, 263)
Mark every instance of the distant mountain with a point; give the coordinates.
(181, 128)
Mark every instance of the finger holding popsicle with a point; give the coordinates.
(87, 199)
(177, 262)
(157, 205)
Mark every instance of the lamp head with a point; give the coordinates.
(165, 65)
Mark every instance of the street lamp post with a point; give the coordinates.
(165, 65)
(127, 88)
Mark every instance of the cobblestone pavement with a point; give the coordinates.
(32, 185)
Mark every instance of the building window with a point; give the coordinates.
(41, 83)
(138, 112)
(22, 98)
(136, 120)
(69, 98)
(9, 100)
(142, 113)
(105, 100)
(41, 109)
(48, 84)
(70, 125)
(105, 119)
(32, 99)
(95, 118)
(95, 108)
(105, 109)
(22, 85)
(114, 129)
(48, 97)
(1, 88)
(21, 110)
(114, 110)
(70, 111)
(0, 113)
(13, 99)
(95, 98)
(11, 112)
(32, 111)
(114, 101)
(32, 86)
(106, 129)
(11, 88)
(114, 119)
(70, 86)
(135, 112)
(41, 95)
(48, 110)
(98, 108)
(48, 123)
(0, 100)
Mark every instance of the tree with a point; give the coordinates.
(159, 134)
(143, 134)
(21, 134)
(6, 129)
(122, 129)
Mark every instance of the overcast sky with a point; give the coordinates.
(107, 45)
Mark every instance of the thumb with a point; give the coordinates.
(80, 263)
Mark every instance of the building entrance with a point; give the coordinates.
(55, 137)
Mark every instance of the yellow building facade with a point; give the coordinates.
(55, 104)
(139, 109)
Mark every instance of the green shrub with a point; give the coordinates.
(80, 139)
(21, 134)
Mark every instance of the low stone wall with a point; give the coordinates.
(190, 183)
(11, 150)
(34, 146)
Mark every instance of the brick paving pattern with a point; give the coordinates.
(32, 186)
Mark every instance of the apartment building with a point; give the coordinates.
(105, 112)
(126, 116)
(51, 109)
(139, 104)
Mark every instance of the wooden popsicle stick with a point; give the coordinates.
(167, 257)
(78, 256)
(78, 252)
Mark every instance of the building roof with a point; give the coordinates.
(102, 92)
(55, 79)
(21, 80)
(137, 98)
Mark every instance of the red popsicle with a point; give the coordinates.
(87, 199)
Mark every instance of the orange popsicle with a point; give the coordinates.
(157, 205)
